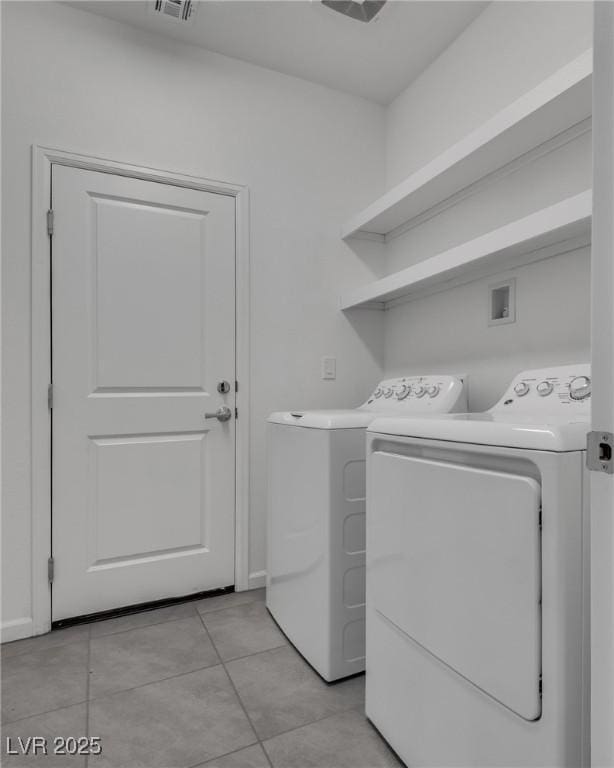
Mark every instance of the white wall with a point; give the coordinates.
(504, 53)
(552, 328)
(311, 157)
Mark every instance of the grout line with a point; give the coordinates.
(153, 682)
(121, 631)
(6, 658)
(264, 749)
(165, 621)
(140, 626)
(255, 653)
(311, 722)
(350, 708)
(40, 714)
(87, 691)
(226, 754)
(229, 607)
(266, 754)
(234, 687)
(87, 701)
(107, 634)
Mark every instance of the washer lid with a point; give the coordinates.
(351, 418)
(512, 430)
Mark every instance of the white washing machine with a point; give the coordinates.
(477, 586)
(316, 518)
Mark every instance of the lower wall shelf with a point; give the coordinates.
(563, 226)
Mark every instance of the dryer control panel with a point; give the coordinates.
(565, 388)
(439, 393)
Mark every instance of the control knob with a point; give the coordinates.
(432, 390)
(544, 388)
(580, 388)
(387, 392)
(403, 391)
(521, 389)
(419, 390)
(378, 392)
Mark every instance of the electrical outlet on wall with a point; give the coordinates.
(329, 368)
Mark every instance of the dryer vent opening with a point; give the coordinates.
(360, 10)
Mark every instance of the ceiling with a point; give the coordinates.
(376, 60)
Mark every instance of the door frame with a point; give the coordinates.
(42, 159)
(602, 406)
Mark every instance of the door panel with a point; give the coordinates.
(456, 565)
(139, 349)
(143, 329)
(134, 482)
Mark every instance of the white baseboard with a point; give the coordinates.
(257, 579)
(16, 629)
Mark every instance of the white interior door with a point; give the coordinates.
(143, 330)
(602, 342)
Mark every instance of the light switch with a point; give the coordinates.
(329, 368)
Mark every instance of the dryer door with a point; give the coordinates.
(454, 563)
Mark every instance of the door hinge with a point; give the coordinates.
(50, 396)
(50, 222)
(236, 386)
(599, 450)
(541, 686)
(50, 569)
(236, 413)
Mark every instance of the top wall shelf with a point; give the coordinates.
(557, 104)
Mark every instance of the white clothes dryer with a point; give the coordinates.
(477, 586)
(316, 518)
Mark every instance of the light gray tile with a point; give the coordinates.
(50, 640)
(228, 601)
(144, 619)
(250, 757)
(128, 659)
(243, 630)
(346, 740)
(38, 682)
(280, 691)
(179, 722)
(70, 721)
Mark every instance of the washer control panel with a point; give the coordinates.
(561, 387)
(437, 392)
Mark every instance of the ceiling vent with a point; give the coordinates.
(361, 10)
(178, 10)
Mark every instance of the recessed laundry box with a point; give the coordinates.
(316, 518)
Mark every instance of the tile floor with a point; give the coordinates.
(206, 683)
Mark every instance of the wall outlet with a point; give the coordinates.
(329, 368)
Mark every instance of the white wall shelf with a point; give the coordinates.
(557, 104)
(560, 227)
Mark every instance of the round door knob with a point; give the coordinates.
(433, 390)
(521, 389)
(544, 388)
(223, 413)
(580, 388)
(403, 391)
(419, 390)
